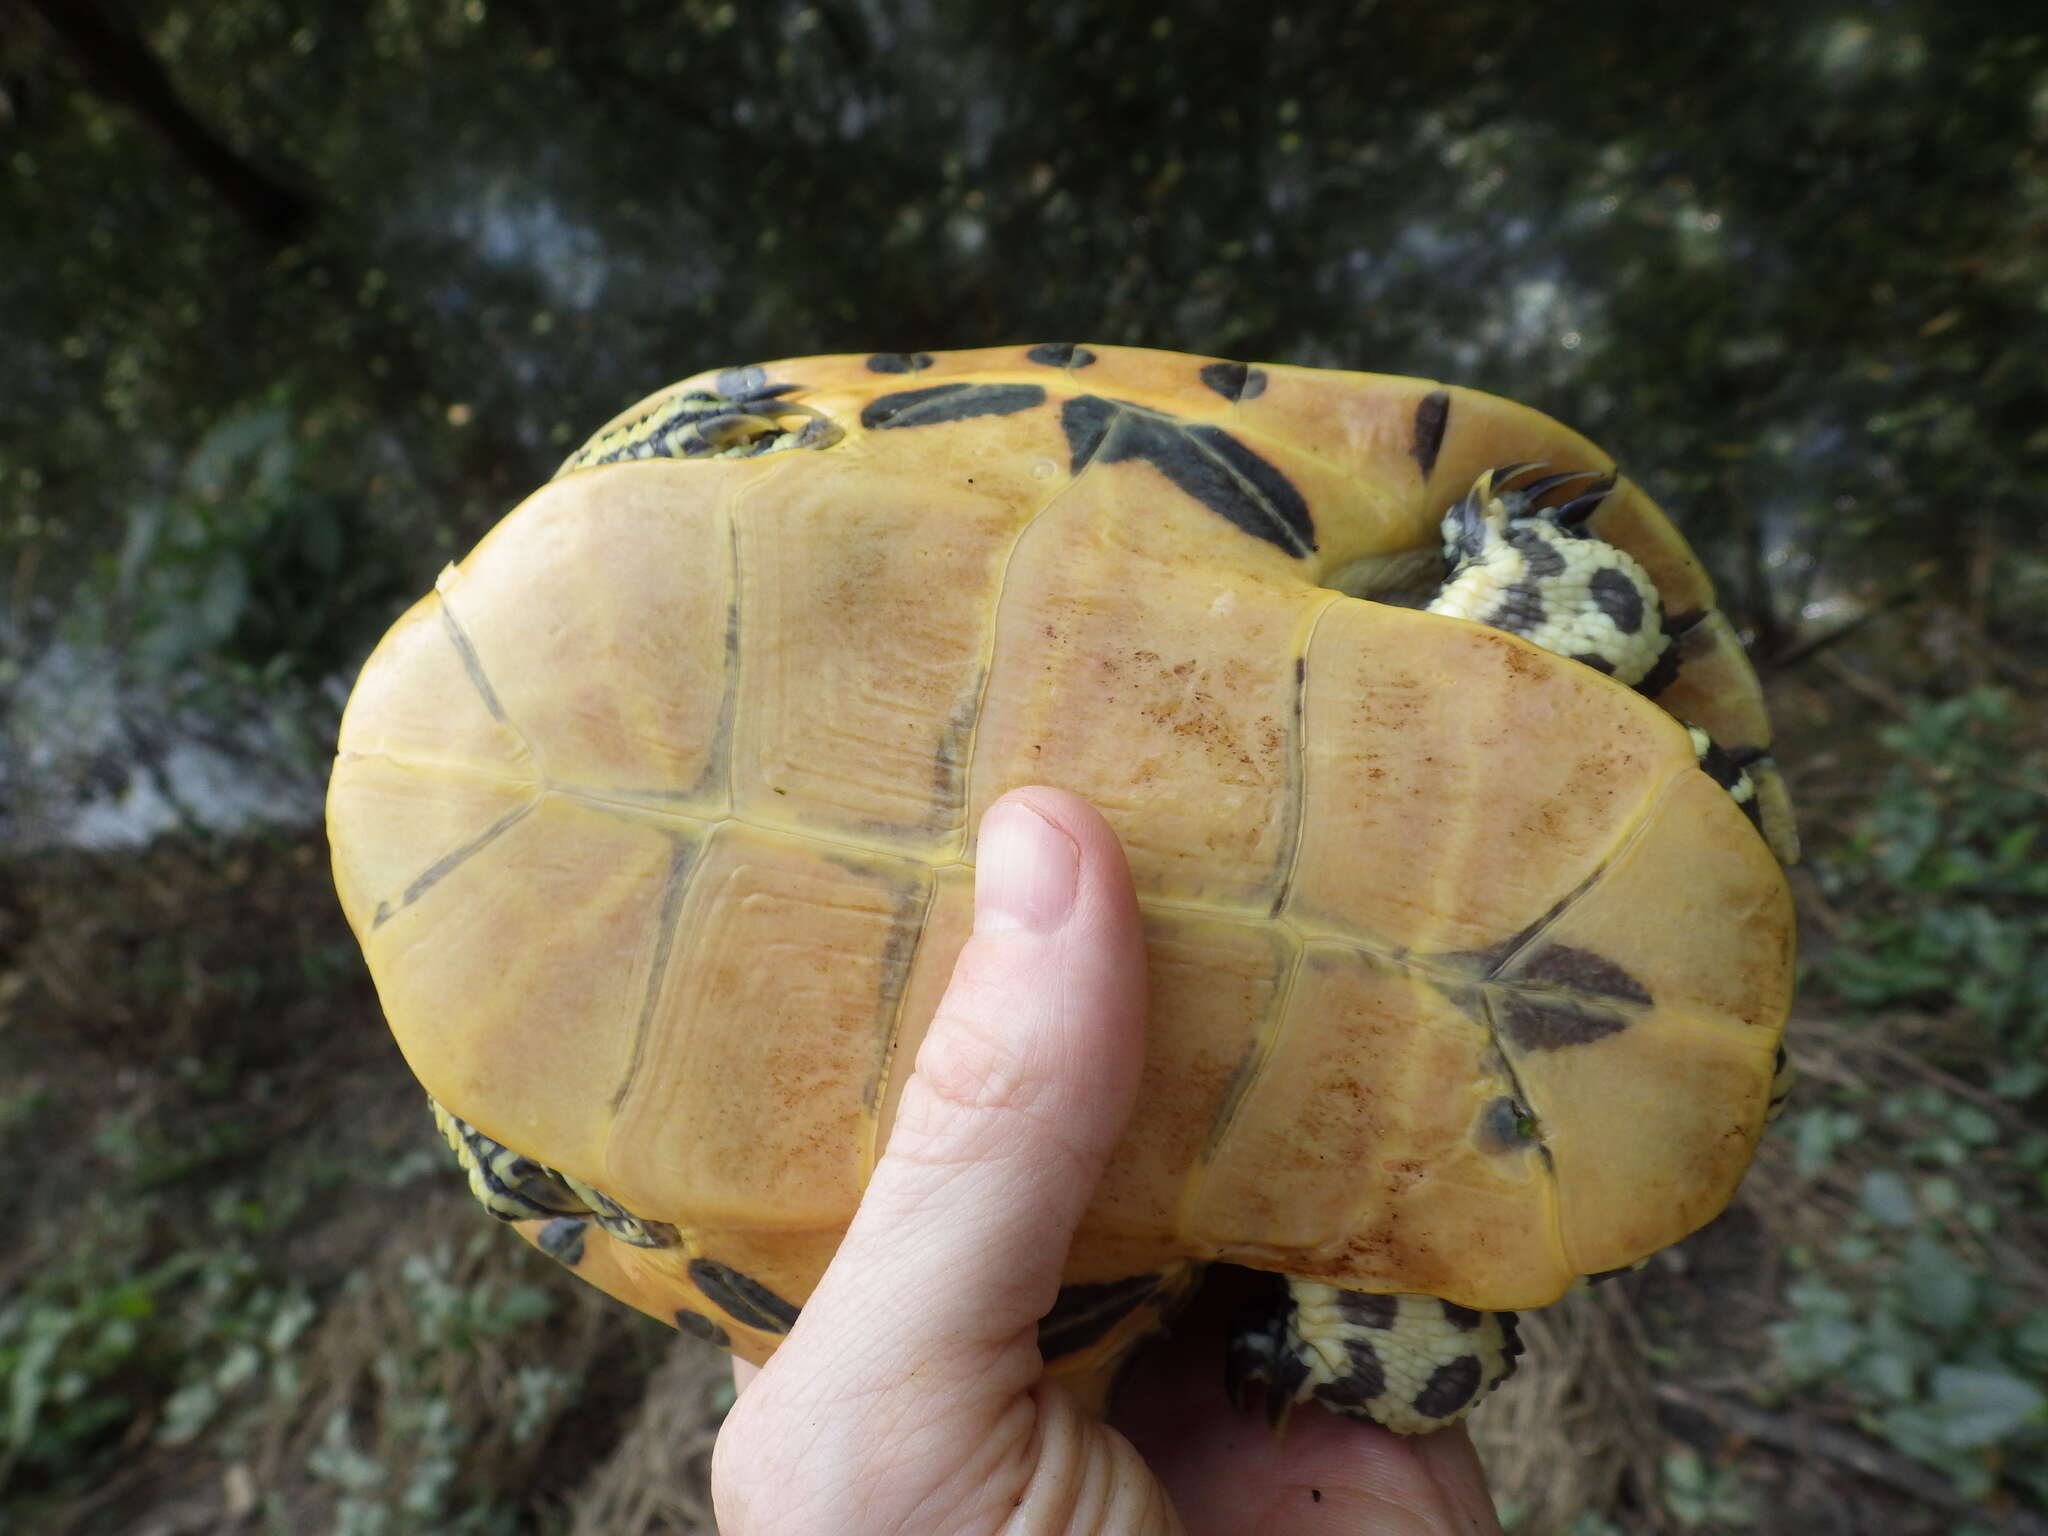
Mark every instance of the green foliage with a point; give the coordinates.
(399, 1468)
(98, 1339)
(1921, 1313)
(1697, 1494)
(1926, 1313)
(1945, 881)
(252, 566)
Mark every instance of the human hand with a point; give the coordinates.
(910, 1396)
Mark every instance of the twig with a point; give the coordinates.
(1845, 1449)
(1917, 1064)
(1806, 650)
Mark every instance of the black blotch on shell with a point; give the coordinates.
(1235, 382)
(1204, 462)
(1060, 354)
(562, 1240)
(1549, 1023)
(1432, 415)
(899, 362)
(742, 1299)
(1450, 1386)
(1583, 971)
(741, 383)
(1594, 660)
(1084, 1313)
(699, 1326)
(942, 403)
(1616, 596)
(1460, 1317)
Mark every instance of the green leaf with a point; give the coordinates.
(1978, 1407)
(1887, 1197)
(1941, 1287)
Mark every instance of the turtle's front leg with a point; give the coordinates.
(1412, 1363)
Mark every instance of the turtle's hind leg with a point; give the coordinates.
(1411, 1363)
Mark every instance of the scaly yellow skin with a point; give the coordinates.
(654, 824)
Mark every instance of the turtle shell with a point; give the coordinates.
(655, 822)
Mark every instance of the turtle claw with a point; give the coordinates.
(1573, 514)
(1536, 490)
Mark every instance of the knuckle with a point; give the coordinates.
(968, 1069)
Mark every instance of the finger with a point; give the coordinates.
(1022, 1086)
(1228, 1473)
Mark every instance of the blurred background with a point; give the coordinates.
(297, 297)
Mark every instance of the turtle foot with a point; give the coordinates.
(1411, 1363)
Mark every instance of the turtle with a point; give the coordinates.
(1446, 788)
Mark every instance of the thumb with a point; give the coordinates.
(1022, 1086)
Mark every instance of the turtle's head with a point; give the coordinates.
(1478, 523)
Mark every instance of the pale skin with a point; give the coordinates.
(910, 1397)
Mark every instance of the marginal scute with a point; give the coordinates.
(1060, 354)
(899, 362)
(745, 1301)
(943, 403)
(1432, 415)
(1207, 463)
(1235, 382)
(699, 1326)
(1083, 1313)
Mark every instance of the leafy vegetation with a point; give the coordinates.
(1924, 1308)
